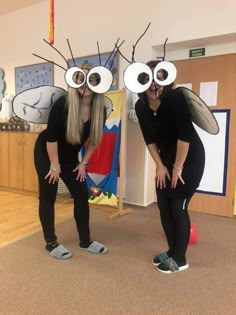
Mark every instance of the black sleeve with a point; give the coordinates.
(140, 112)
(56, 120)
(182, 115)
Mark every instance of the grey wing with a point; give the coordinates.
(34, 105)
(199, 111)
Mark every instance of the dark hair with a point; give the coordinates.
(152, 64)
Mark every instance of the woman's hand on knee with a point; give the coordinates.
(176, 175)
(81, 172)
(161, 176)
(54, 174)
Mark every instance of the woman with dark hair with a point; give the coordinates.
(179, 156)
(73, 119)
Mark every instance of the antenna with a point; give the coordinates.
(71, 52)
(134, 46)
(164, 49)
(99, 55)
(68, 66)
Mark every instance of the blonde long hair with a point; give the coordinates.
(75, 124)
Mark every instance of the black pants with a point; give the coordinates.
(48, 192)
(176, 224)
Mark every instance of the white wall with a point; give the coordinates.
(184, 22)
(22, 31)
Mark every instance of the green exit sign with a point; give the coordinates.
(197, 52)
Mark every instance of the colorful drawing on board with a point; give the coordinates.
(102, 171)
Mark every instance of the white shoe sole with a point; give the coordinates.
(156, 264)
(180, 269)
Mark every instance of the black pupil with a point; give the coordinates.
(143, 78)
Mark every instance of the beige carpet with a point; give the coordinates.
(122, 282)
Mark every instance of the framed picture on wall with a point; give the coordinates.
(28, 77)
(110, 61)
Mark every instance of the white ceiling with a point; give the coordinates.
(7, 6)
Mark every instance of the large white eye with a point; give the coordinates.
(169, 67)
(75, 77)
(99, 79)
(138, 77)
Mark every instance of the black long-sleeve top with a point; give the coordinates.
(172, 121)
(56, 132)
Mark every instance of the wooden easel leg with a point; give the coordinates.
(120, 213)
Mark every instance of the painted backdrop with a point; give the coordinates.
(102, 171)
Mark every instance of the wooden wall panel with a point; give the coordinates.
(222, 69)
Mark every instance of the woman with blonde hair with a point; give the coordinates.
(75, 118)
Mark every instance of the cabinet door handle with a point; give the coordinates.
(19, 140)
(23, 140)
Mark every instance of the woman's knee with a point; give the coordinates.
(46, 198)
(162, 202)
(48, 193)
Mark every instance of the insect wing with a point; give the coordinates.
(34, 105)
(199, 111)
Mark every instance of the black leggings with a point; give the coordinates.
(176, 224)
(48, 192)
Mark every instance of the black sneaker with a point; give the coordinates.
(170, 266)
(159, 259)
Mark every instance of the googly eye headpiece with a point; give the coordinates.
(99, 78)
(138, 76)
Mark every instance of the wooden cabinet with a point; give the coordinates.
(4, 161)
(20, 171)
(30, 178)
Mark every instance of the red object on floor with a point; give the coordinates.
(193, 234)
